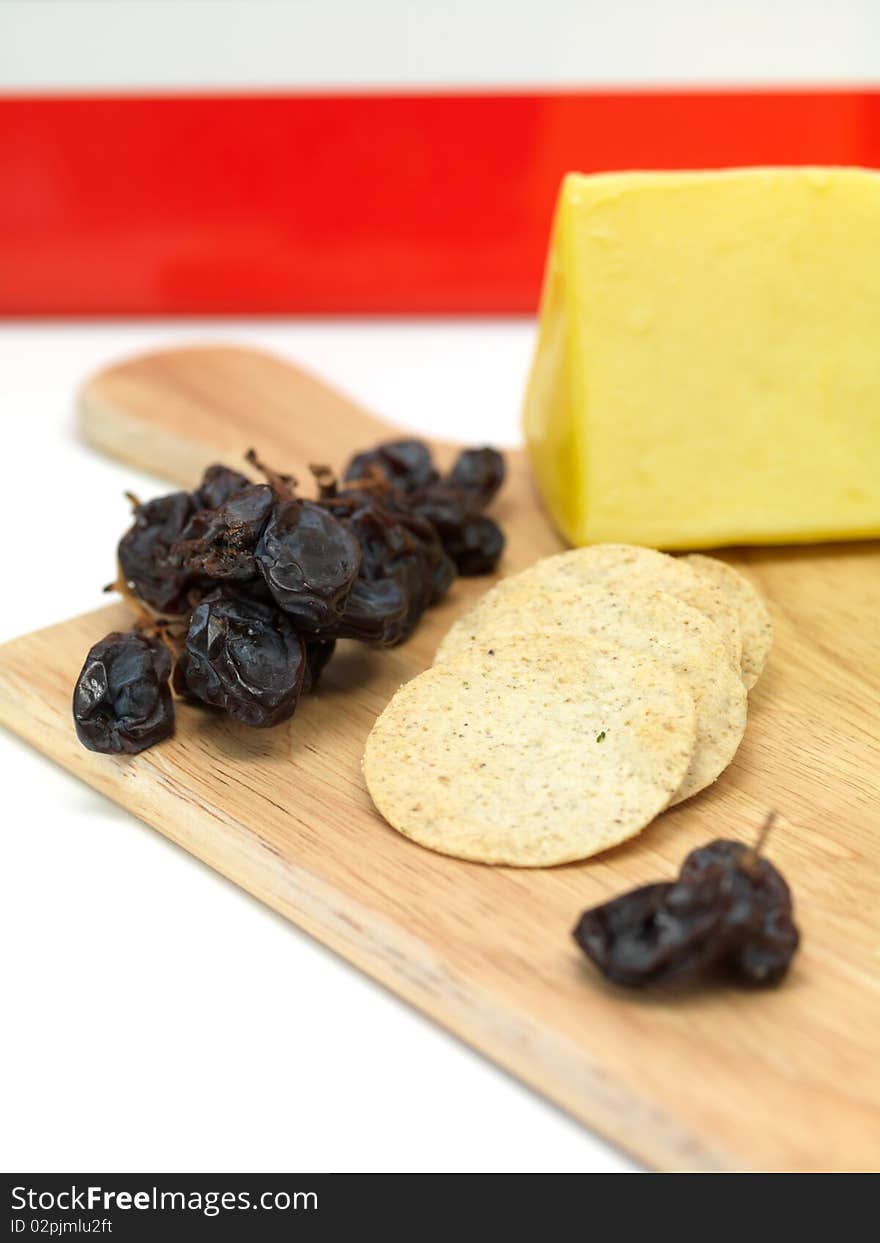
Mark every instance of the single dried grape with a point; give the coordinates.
(310, 561)
(143, 554)
(441, 567)
(122, 702)
(405, 464)
(221, 542)
(728, 906)
(390, 550)
(243, 657)
(650, 934)
(376, 612)
(477, 547)
(773, 937)
(218, 484)
(479, 473)
(367, 515)
(471, 539)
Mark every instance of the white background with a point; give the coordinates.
(327, 43)
(156, 1017)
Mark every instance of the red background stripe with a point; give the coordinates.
(349, 203)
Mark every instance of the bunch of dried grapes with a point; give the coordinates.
(250, 585)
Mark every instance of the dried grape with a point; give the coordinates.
(472, 540)
(479, 473)
(375, 613)
(218, 484)
(221, 542)
(405, 464)
(122, 702)
(243, 657)
(396, 579)
(451, 505)
(143, 554)
(309, 561)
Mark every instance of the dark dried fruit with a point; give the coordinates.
(773, 936)
(310, 561)
(441, 567)
(375, 613)
(267, 582)
(243, 657)
(479, 473)
(651, 934)
(220, 543)
(405, 464)
(218, 484)
(729, 907)
(143, 554)
(472, 540)
(395, 582)
(122, 702)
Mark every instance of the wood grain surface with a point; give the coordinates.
(723, 1079)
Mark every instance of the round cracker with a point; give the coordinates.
(532, 757)
(755, 625)
(621, 566)
(651, 622)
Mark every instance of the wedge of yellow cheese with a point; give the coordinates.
(708, 363)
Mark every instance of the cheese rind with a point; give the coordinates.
(708, 362)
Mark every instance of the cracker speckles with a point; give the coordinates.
(650, 622)
(525, 783)
(627, 567)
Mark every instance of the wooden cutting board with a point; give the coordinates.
(689, 1080)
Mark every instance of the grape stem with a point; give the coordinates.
(750, 859)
